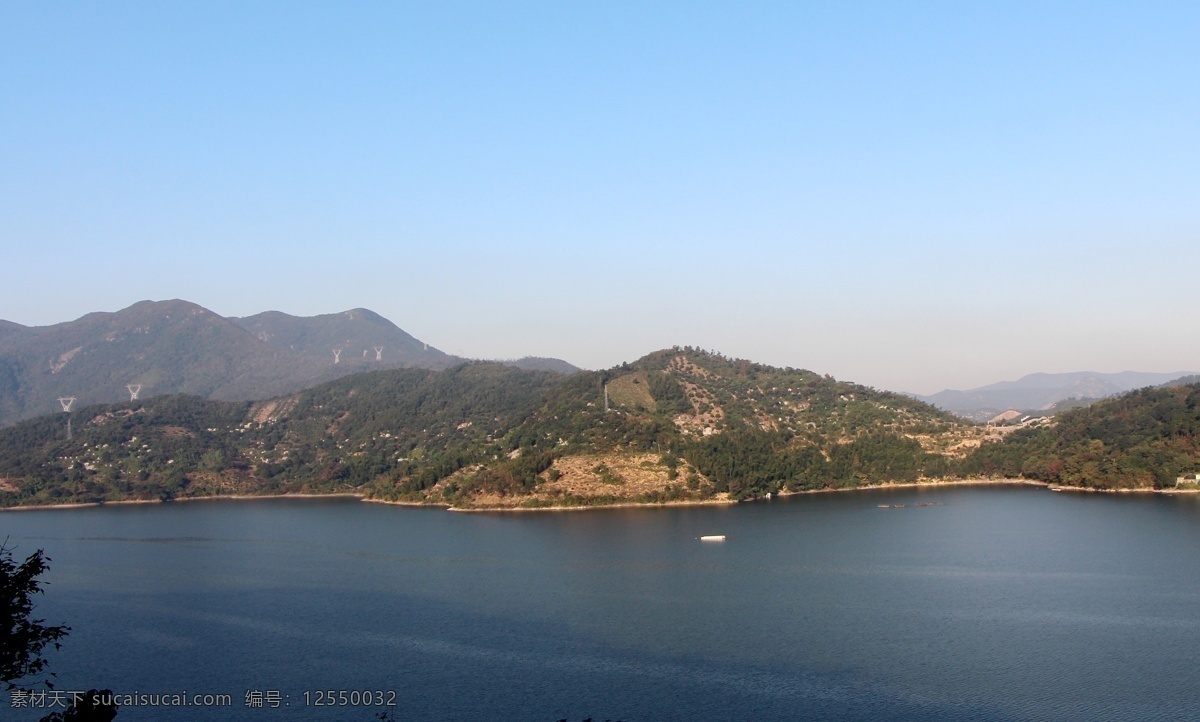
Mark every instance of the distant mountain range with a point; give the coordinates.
(167, 347)
(361, 340)
(1042, 391)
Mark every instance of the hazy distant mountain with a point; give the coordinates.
(540, 363)
(1184, 381)
(175, 346)
(366, 340)
(8, 328)
(166, 346)
(1041, 391)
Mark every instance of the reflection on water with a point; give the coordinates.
(998, 604)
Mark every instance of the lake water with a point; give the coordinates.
(1003, 603)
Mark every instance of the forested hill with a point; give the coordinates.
(171, 347)
(338, 436)
(1145, 439)
(677, 424)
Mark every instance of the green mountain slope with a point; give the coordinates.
(356, 333)
(678, 424)
(336, 437)
(1145, 439)
(168, 347)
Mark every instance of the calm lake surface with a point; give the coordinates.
(1004, 603)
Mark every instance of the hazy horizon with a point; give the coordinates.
(913, 197)
(716, 350)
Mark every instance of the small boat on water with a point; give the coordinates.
(899, 506)
(713, 538)
(885, 506)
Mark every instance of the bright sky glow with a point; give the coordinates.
(910, 195)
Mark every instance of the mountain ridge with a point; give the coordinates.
(1040, 391)
(176, 346)
(676, 425)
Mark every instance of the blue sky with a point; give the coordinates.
(910, 195)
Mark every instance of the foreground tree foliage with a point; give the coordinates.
(24, 638)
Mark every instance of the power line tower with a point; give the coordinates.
(337, 355)
(379, 353)
(133, 389)
(605, 397)
(66, 402)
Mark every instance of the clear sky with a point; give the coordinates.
(909, 195)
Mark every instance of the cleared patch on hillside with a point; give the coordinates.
(609, 479)
(707, 414)
(265, 412)
(624, 475)
(222, 483)
(956, 443)
(632, 391)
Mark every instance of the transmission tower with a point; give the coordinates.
(606, 397)
(133, 391)
(379, 353)
(66, 402)
(337, 355)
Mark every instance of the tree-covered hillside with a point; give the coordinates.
(336, 437)
(755, 429)
(173, 347)
(1144, 439)
(677, 424)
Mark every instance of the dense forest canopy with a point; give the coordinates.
(1145, 439)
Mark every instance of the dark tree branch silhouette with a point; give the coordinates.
(22, 638)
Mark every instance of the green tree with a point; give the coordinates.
(22, 638)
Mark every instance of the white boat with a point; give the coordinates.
(713, 537)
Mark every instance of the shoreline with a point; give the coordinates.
(921, 484)
(620, 505)
(1090, 490)
(230, 497)
(430, 504)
